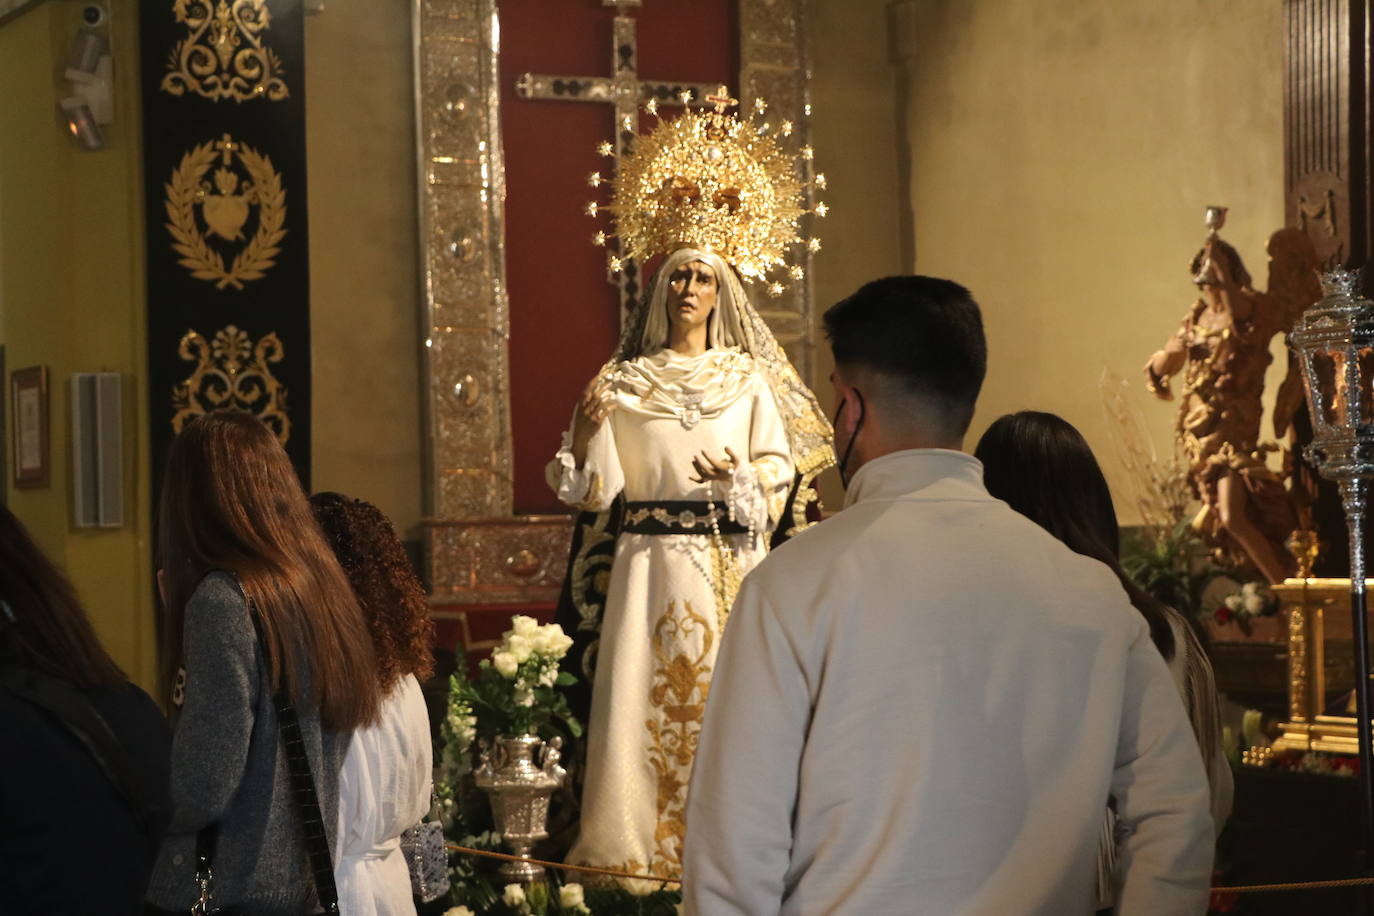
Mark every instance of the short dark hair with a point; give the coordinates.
(924, 333)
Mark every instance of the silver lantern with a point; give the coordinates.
(519, 773)
(1334, 341)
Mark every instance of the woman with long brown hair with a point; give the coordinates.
(384, 787)
(259, 617)
(83, 784)
(1041, 466)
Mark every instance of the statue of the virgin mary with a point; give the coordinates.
(690, 453)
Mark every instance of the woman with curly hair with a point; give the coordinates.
(384, 787)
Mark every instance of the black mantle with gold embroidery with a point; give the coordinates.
(224, 173)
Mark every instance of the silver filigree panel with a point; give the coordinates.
(466, 311)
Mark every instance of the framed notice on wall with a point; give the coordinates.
(29, 412)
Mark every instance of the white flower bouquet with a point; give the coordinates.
(515, 692)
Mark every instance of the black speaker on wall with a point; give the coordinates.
(97, 450)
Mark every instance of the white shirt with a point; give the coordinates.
(921, 705)
(384, 788)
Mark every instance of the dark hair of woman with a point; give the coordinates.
(1042, 467)
(393, 600)
(51, 631)
(231, 501)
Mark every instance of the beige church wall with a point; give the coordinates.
(364, 274)
(71, 287)
(1061, 156)
(854, 132)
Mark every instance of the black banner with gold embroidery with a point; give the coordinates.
(224, 169)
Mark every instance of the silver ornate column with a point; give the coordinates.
(479, 551)
(467, 313)
(775, 65)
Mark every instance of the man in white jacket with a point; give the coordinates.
(922, 705)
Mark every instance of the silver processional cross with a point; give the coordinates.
(625, 91)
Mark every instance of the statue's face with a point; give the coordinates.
(692, 292)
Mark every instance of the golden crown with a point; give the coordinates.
(714, 181)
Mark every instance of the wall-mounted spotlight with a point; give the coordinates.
(90, 71)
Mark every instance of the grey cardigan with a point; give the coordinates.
(228, 766)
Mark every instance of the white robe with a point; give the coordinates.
(668, 595)
(921, 705)
(384, 788)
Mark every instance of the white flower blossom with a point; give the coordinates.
(549, 676)
(1234, 602)
(539, 641)
(550, 642)
(519, 646)
(505, 663)
(570, 895)
(558, 642)
(1254, 603)
(459, 911)
(463, 725)
(514, 895)
(522, 625)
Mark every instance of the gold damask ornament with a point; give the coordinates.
(682, 644)
(224, 209)
(232, 371)
(224, 56)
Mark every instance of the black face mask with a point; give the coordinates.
(849, 449)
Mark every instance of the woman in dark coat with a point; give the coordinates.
(83, 779)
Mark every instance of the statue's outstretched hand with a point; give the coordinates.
(707, 469)
(1155, 381)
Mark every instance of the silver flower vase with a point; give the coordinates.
(519, 774)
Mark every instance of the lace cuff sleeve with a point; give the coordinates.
(564, 477)
(593, 486)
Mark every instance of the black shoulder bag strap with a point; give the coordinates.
(73, 709)
(307, 802)
(302, 790)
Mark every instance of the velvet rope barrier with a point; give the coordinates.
(562, 866)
